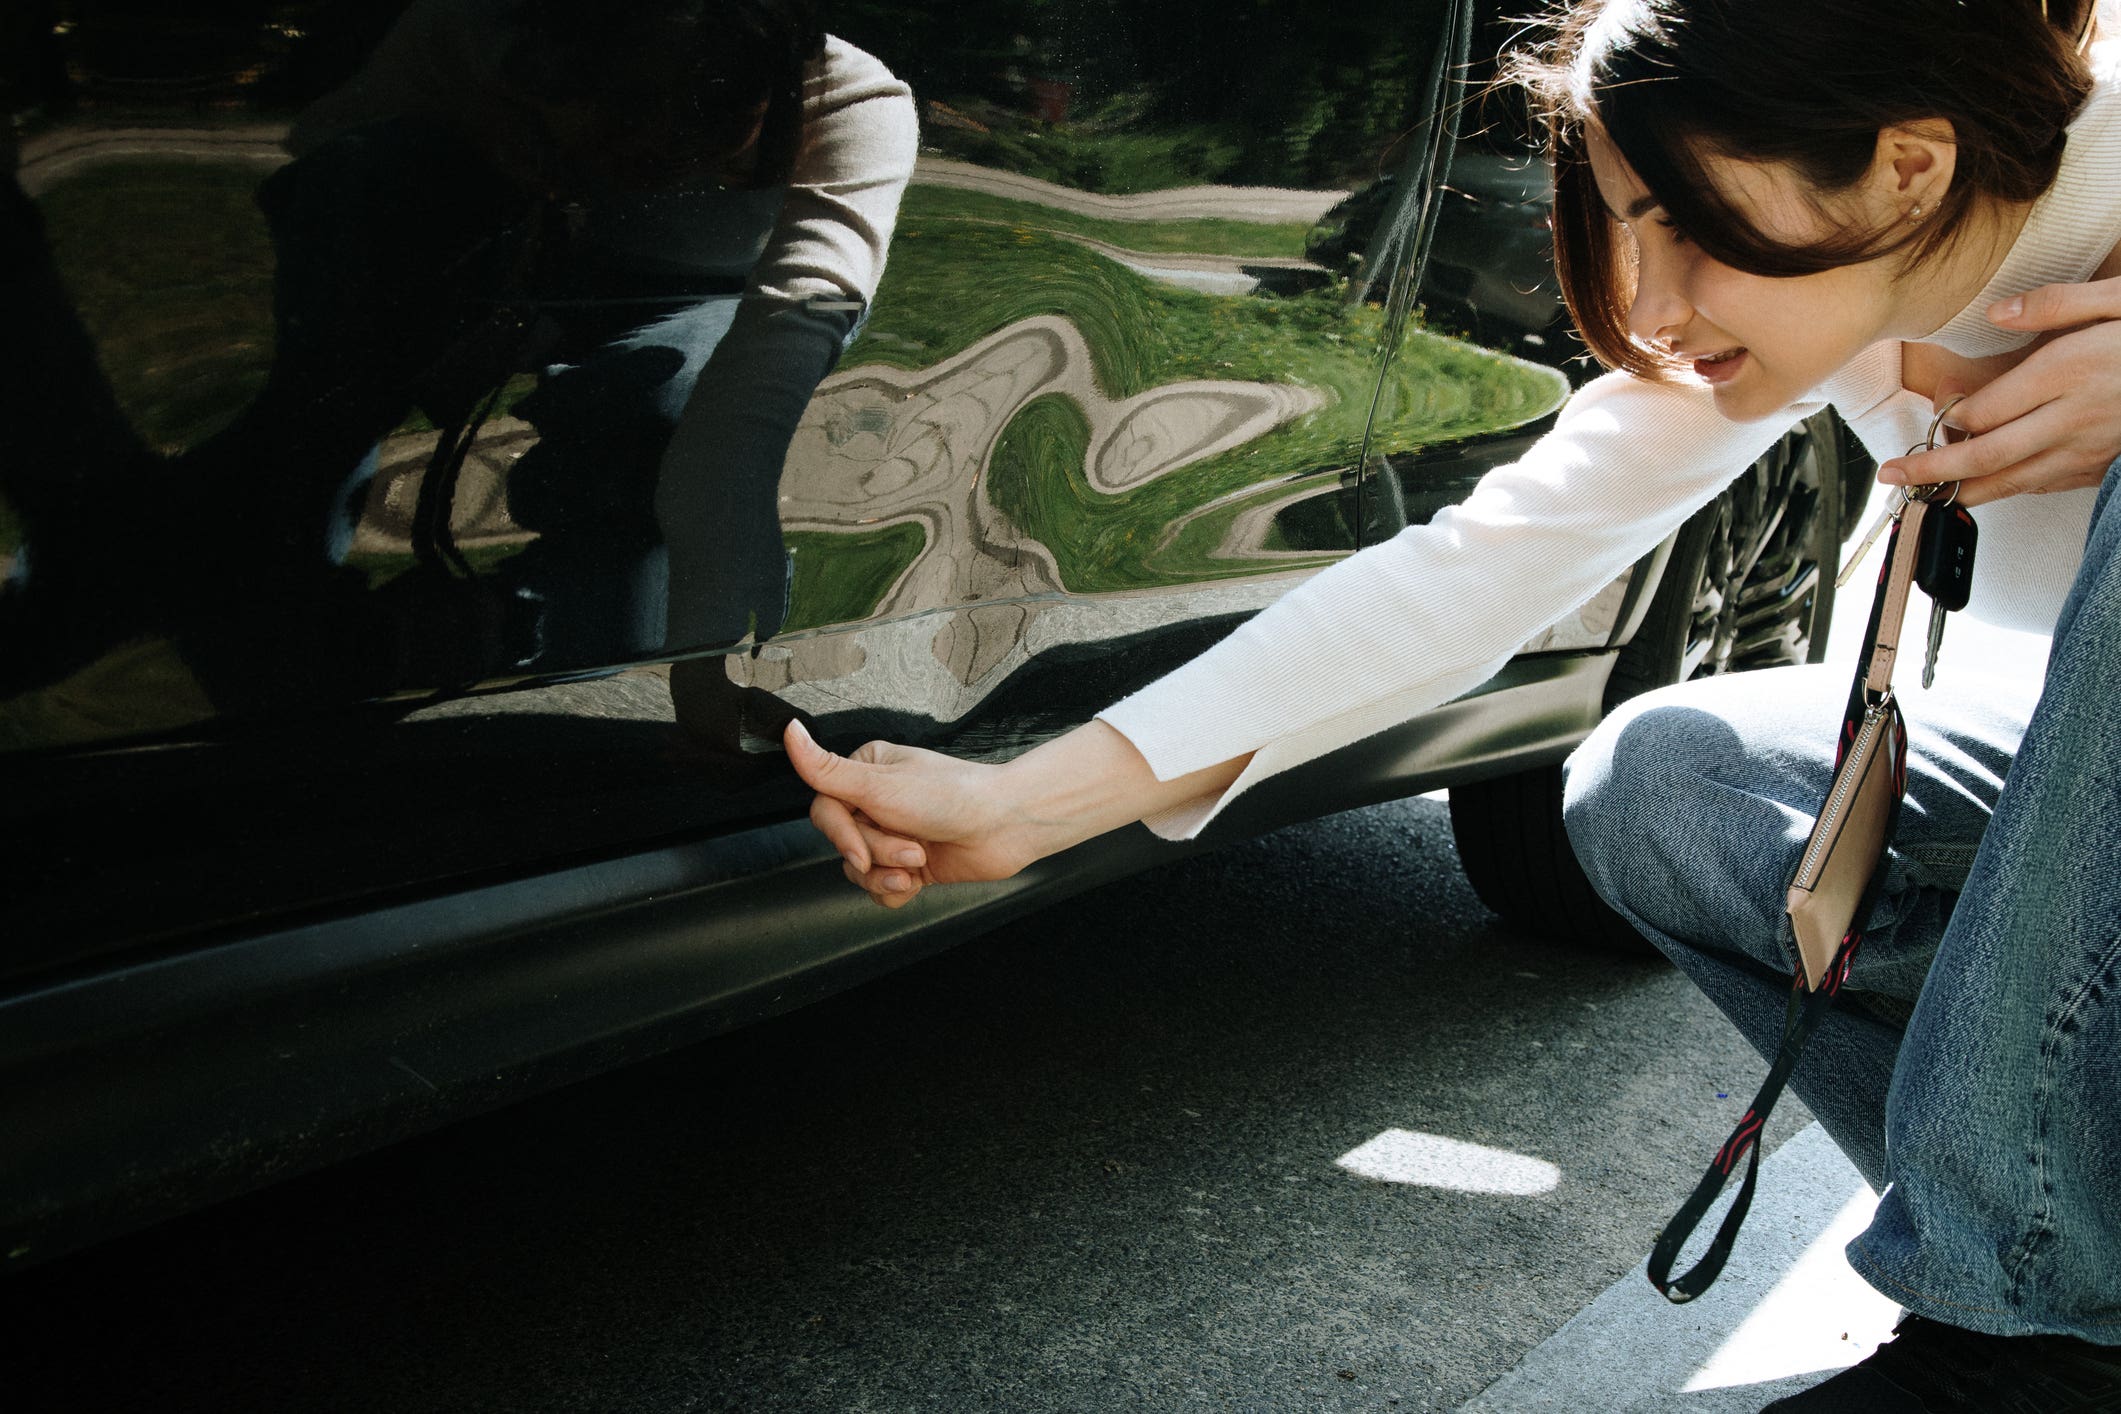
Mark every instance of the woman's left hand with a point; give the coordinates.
(2053, 423)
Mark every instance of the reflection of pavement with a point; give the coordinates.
(1250, 529)
(944, 666)
(47, 157)
(1193, 270)
(479, 511)
(1264, 205)
(51, 157)
(1189, 260)
(883, 446)
(880, 446)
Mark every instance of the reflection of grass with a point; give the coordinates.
(1096, 159)
(841, 578)
(925, 205)
(170, 266)
(1109, 542)
(950, 286)
(171, 269)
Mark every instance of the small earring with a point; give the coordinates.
(1915, 214)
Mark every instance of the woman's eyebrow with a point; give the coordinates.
(1637, 208)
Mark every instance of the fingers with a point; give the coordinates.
(2052, 470)
(885, 865)
(2007, 466)
(835, 821)
(892, 888)
(2004, 400)
(819, 768)
(872, 860)
(1976, 457)
(2059, 306)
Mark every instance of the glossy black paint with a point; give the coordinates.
(345, 641)
(306, 451)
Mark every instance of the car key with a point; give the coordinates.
(1871, 536)
(1944, 568)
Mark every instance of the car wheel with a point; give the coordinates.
(1749, 585)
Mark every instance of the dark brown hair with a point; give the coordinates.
(1808, 83)
(676, 71)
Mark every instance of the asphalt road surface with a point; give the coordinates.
(1090, 1162)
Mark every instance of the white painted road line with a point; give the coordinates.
(1787, 1310)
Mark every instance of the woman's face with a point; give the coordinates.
(640, 149)
(1759, 342)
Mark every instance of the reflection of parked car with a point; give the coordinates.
(322, 833)
(1489, 275)
(1488, 271)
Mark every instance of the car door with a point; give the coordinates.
(332, 569)
(367, 763)
(1145, 306)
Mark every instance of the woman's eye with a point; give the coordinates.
(1678, 236)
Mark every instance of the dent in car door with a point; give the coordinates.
(1108, 399)
(380, 614)
(1116, 384)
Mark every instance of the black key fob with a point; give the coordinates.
(1944, 561)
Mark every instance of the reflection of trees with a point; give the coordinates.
(270, 55)
(1286, 92)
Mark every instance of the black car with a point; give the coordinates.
(373, 756)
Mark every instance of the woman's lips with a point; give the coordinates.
(1720, 368)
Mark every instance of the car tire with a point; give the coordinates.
(1749, 585)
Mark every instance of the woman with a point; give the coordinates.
(1763, 206)
(672, 215)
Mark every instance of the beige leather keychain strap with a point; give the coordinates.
(1892, 614)
(1871, 697)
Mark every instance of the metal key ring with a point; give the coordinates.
(1937, 423)
(1925, 490)
(1930, 491)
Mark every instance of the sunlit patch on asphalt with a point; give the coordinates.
(1819, 1316)
(1432, 1161)
(1786, 1309)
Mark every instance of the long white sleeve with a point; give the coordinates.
(1407, 625)
(861, 136)
(1411, 623)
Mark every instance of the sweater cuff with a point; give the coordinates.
(1152, 723)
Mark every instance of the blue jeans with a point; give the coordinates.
(1973, 1069)
(410, 273)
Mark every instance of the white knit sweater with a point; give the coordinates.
(1408, 624)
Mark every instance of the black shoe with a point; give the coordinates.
(1932, 1368)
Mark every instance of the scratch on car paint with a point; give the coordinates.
(416, 1075)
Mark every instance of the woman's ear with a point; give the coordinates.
(1912, 169)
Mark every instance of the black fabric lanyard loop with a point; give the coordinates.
(1807, 1009)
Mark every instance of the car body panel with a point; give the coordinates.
(364, 773)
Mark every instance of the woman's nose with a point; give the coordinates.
(1659, 310)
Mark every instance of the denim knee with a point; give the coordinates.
(1604, 799)
(1633, 780)
(1686, 805)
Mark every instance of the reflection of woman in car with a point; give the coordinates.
(1764, 207)
(672, 213)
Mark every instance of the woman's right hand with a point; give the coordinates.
(903, 818)
(2052, 422)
